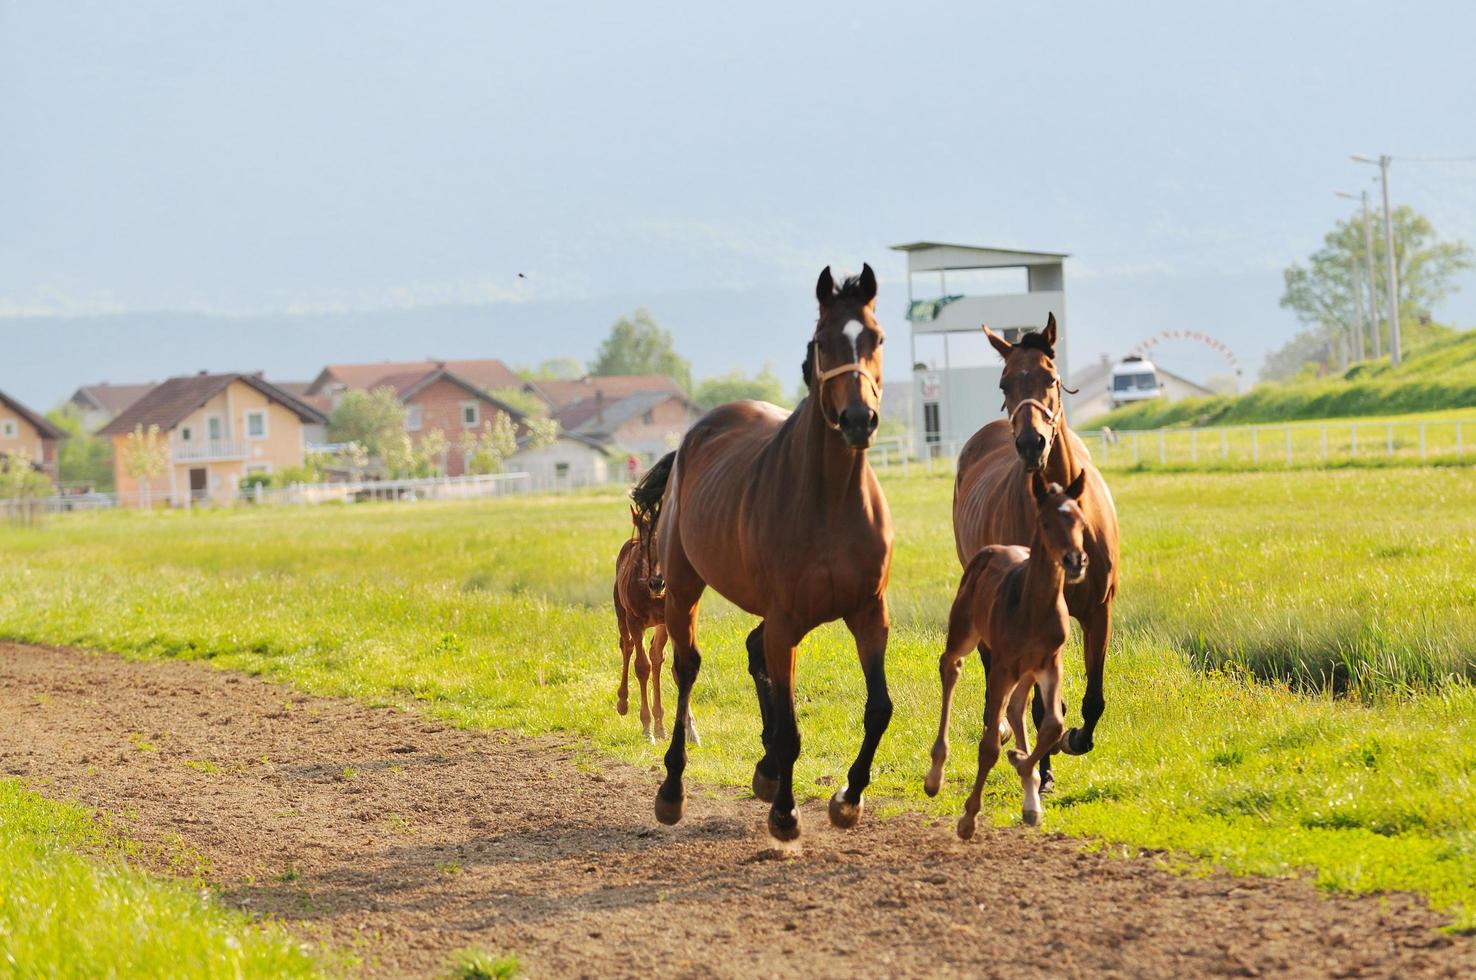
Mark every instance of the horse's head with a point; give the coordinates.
(843, 364)
(1062, 525)
(1032, 391)
(648, 570)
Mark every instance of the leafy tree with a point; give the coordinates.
(524, 401)
(554, 369)
(639, 345)
(21, 486)
(1324, 293)
(82, 457)
(487, 449)
(145, 456)
(433, 446)
(542, 432)
(736, 386)
(373, 419)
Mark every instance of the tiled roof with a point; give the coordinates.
(561, 394)
(43, 425)
(597, 417)
(171, 402)
(484, 373)
(113, 398)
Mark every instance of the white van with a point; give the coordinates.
(1134, 380)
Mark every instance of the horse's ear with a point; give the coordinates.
(809, 365)
(1038, 487)
(825, 287)
(868, 284)
(1049, 333)
(1076, 486)
(998, 343)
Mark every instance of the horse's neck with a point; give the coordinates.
(820, 459)
(1044, 578)
(1061, 466)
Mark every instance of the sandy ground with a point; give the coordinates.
(403, 840)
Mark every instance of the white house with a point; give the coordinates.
(571, 461)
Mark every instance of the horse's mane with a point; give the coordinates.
(1037, 341)
(649, 489)
(850, 288)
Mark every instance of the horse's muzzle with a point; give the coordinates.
(1033, 449)
(1075, 564)
(858, 425)
(656, 585)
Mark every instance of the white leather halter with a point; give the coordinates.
(1045, 410)
(835, 372)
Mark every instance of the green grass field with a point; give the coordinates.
(70, 906)
(1246, 599)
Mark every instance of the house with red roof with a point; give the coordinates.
(24, 432)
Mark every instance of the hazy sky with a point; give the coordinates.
(314, 157)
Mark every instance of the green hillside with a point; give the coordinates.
(1437, 375)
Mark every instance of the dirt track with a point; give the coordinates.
(443, 839)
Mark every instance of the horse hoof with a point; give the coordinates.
(1076, 742)
(933, 781)
(1031, 817)
(966, 825)
(692, 737)
(649, 736)
(660, 734)
(1047, 784)
(622, 706)
(843, 813)
(667, 811)
(784, 827)
(764, 787)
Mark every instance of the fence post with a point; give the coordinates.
(1255, 446)
(1194, 445)
(1353, 441)
(1224, 446)
(1390, 440)
(1460, 450)
(1135, 449)
(1324, 444)
(1422, 440)
(1288, 445)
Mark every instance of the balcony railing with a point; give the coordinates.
(199, 452)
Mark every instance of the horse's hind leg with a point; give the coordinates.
(999, 686)
(780, 639)
(961, 636)
(870, 628)
(766, 771)
(658, 658)
(643, 676)
(683, 591)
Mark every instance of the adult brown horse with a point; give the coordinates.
(782, 514)
(993, 504)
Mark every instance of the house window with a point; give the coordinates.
(184, 434)
(256, 424)
(216, 428)
(471, 415)
(412, 418)
(7, 428)
(561, 470)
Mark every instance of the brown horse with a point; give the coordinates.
(1010, 604)
(782, 514)
(640, 604)
(993, 504)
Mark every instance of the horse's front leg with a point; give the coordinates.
(961, 636)
(1096, 630)
(643, 676)
(780, 640)
(870, 628)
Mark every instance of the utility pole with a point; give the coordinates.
(1373, 287)
(1393, 275)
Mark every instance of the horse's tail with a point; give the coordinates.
(647, 493)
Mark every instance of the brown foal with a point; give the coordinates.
(781, 513)
(640, 604)
(1011, 605)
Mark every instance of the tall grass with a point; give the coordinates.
(496, 615)
(1437, 375)
(70, 906)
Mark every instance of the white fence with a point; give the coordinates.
(1293, 444)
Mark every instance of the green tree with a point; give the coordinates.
(736, 386)
(82, 457)
(639, 345)
(145, 457)
(1325, 294)
(542, 432)
(487, 449)
(433, 447)
(22, 487)
(374, 419)
(554, 369)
